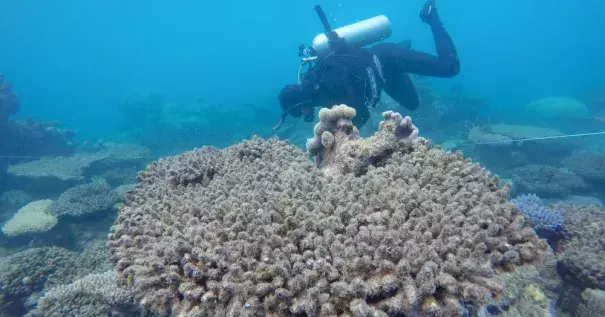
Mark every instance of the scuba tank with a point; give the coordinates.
(357, 34)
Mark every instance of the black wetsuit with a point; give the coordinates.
(356, 76)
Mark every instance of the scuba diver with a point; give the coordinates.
(345, 73)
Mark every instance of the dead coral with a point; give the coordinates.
(269, 234)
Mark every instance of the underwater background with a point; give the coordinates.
(91, 94)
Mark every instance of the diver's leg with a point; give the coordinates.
(445, 64)
(361, 117)
(400, 87)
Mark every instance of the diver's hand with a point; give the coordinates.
(428, 14)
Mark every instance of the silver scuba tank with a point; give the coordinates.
(357, 34)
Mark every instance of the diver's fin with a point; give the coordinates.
(407, 44)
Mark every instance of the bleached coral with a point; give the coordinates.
(31, 219)
(257, 229)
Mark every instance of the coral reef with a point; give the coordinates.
(27, 272)
(592, 303)
(581, 258)
(543, 219)
(529, 290)
(85, 199)
(256, 229)
(93, 295)
(21, 139)
(34, 138)
(588, 165)
(9, 103)
(168, 127)
(93, 259)
(532, 303)
(546, 181)
(24, 275)
(31, 219)
(51, 176)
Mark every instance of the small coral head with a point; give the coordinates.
(403, 127)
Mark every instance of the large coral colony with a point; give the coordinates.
(382, 226)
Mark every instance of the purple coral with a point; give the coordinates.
(541, 217)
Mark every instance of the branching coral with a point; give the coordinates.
(93, 295)
(542, 218)
(85, 199)
(270, 234)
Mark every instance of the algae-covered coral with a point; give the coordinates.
(257, 229)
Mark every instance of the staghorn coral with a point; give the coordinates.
(269, 234)
(85, 199)
(582, 260)
(31, 219)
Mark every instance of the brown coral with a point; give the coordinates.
(337, 146)
(582, 260)
(266, 233)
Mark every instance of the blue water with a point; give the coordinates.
(212, 71)
(74, 61)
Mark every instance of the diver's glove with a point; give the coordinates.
(429, 14)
